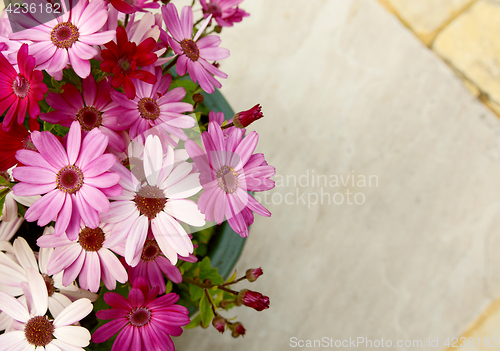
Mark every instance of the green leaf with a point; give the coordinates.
(218, 297)
(186, 265)
(201, 250)
(70, 76)
(207, 272)
(2, 201)
(55, 129)
(196, 321)
(232, 278)
(206, 312)
(4, 192)
(187, 84)
(44, 106)
(48, 126)
(168, 287)
(5, 182)
(60, 130)
(204, 235)
(196, 292)
(21, 210)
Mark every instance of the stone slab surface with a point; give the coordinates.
(347, 90)
(426, 17)
(470, 43)
(484, 333)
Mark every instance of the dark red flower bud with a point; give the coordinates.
(219, 323)
(244, 118)
(198, 98)
(253, 299)
(253, 273)
(238, 330)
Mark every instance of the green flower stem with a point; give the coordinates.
(208, 286)
(224, 127)
(211, 302)
(170, 65)
(201, 19)
(234, 281)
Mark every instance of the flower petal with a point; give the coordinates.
(74, 335)
(73, 313)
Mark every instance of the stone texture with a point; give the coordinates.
(470, 44)
(494, 106)
(347, 90)
(426, 17)
(484, 334)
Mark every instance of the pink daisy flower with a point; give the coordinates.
(225, 12)
(144, 321)
(193, 53)
(20, 92)
(228, 170)
(8, 47)
(92, 109)
(69, 38)
(113, 17)
(76, 181)
(153, 106)
(35, 329)
(219, 119)
(89, 258)
(159, 201)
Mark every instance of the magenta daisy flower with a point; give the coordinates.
(193, 53)
(69, 38)
(160, 200)
(20, 92)
(228, 170)
(92, 109)
(144, 321)
(35, 329)
(76, 181)
(131, 6)
(154, 106)
(225, 12)
(89, 258)
(153, 265)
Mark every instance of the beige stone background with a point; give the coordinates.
(405, 90)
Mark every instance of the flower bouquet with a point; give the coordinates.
(116, 173)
